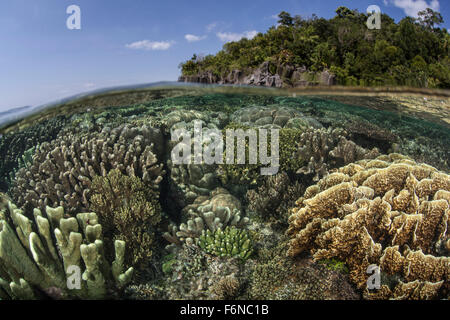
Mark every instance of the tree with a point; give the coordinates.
(285, 19)
(344, 12)
(429, 18)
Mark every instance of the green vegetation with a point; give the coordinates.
(412, 52)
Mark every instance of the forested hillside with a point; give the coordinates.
(412, 52)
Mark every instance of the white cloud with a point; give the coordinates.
(385, 2)
(194, 38)
(228, 36)
(211, 26)
(89, 85)
(412, 7)
(150, 45)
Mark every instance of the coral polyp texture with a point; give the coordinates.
(390, 212)
(62, 171)
(34, 265)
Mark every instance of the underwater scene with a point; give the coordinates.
(219, 192)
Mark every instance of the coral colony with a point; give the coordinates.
(211, 195)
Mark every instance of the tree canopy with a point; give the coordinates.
(412, 52)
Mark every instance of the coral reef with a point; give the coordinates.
(188, 181)
(128, 210)
(13, 145)
(273, 116)
(230, 242)
(249, 174)
(322, 150)
(272, 200)
(198, 275)
(62, 170)
(276, 277)
(32, 262)
(390, 212)
(222, 210)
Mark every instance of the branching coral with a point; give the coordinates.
(391, 212)
(13, 145)
(31, 259)
(62, 170)
(128, 210)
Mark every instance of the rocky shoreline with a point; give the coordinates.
(267, 75)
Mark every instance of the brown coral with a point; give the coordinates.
(62, 170)
(391, 212)
(273, 199)
(128, 210)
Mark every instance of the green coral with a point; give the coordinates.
(231, 242)
(128, 210)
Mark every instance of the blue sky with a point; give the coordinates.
(136, 41)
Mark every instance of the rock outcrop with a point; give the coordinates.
(267, 75)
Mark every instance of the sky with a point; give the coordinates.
(125, 42)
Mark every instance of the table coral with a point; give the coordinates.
(391, 212)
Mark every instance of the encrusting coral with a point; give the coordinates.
(32, 262)
(62, 170)
(128, 210)
(390, 212)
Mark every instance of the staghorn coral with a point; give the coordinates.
(31, 259)
(62, 171)
(391, 212)
(128, 210)
(230, 242)
(274, 197)
(220, 211)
